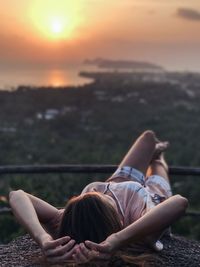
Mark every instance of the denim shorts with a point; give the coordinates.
(129, 173)
(155, 184)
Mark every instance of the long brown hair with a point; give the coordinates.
(89, 217)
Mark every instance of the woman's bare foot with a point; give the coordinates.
(159, 149)
(158, 156)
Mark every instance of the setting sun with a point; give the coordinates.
(57, 26)
(56, 19)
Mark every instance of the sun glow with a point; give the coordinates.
(56, 19)
(57, 26)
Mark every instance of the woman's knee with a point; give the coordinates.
(13, 195)
(149, 135)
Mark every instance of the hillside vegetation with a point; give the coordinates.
(97, 123)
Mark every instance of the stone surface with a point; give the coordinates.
(177, 252)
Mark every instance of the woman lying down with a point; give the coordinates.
(134, 205)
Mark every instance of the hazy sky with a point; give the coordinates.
(42, 32)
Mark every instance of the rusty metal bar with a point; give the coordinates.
(81, 168)
(192, 213)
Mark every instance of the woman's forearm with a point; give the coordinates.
(26, 215)
(155, 220)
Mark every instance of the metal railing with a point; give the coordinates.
(89, 168)
(82, 168)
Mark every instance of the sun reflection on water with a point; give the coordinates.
(57, 78)
(54, 77)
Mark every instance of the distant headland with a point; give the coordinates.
(124, 65)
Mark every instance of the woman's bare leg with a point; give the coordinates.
(159, 167)
(140, 154)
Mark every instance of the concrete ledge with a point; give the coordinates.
(178, 252)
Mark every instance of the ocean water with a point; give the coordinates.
(10, 79)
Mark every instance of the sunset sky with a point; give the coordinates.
(64, 32)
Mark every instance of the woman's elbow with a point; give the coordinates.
(182, 202)
(14, 195)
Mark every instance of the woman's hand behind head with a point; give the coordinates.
(59, 250)
(90, 251)
(103, 247)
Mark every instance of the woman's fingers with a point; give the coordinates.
(85, 251)
(83, 254)
(98, 251)
(60, 250)
(95, 246)
(63, 249)
(80, 255)
(54, 243)
(67, 256)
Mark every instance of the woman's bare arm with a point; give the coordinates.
(157, 219)
(31, 212)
